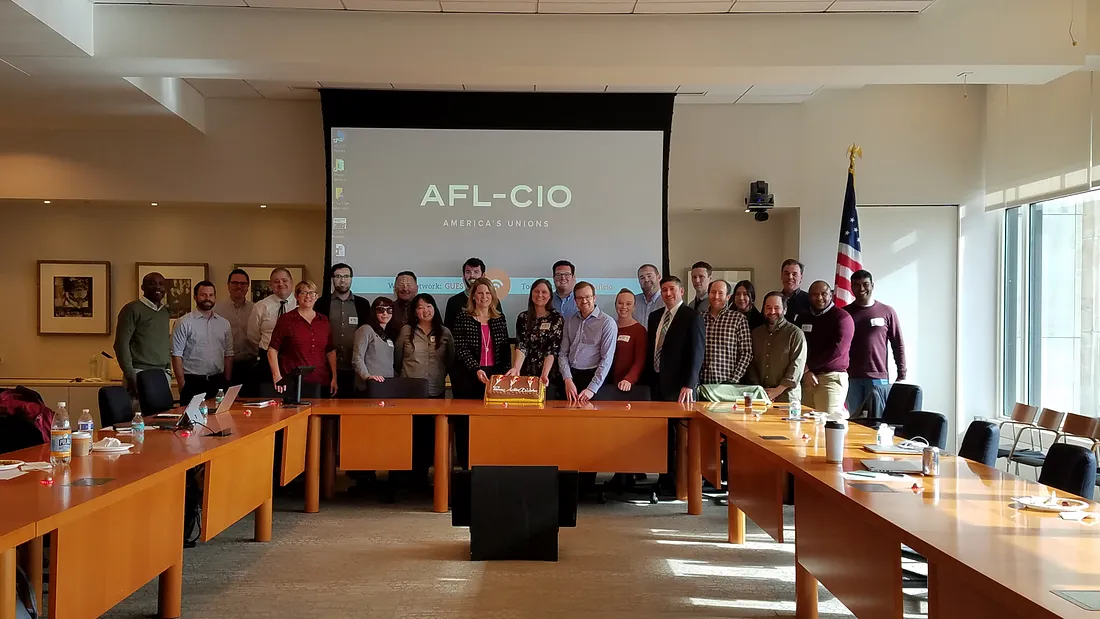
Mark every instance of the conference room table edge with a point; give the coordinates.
(938, 559)
(320, 466)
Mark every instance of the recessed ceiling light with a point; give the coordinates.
(152, 204)
(45, 202)
(263, 206)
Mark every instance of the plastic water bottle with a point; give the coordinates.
(795, 407)
(138, 426)
(85, 423)
(203, 410)
(885, 436)
(61, 437)
(219, 397)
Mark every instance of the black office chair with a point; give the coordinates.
(902, 399)
(154, 392)
(397, 388)
(980, 442)
(932, 427)
(114, 406)
(18, 433)
(1070, 468)
(626, 482)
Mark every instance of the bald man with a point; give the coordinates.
(828, 330)
(142, 338)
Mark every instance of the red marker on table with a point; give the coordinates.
(47, 481)
(382, 403)
(916, 488)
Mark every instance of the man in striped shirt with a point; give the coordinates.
(728, 349)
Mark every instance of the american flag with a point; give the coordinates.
(848, 256)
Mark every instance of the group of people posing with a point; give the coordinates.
(798, 345)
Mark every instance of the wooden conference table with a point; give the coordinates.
(116, 521)
(599, 436)
(986, 558)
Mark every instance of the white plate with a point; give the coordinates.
(8, 466)
(1039, 503)
(113, 450)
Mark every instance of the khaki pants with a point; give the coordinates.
(829, 394)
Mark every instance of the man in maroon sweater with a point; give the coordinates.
(828, 330)
(876, 325)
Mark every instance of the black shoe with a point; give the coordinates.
(189, 543)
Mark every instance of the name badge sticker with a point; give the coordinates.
(544, 326)
(624, 338)
(807, 328)
(390, 342)
(353, 320)
(878, 322)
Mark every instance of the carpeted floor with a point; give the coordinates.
(359, 558)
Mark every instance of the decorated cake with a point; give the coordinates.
(514, 390)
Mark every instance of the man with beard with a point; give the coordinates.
(141, 335)
(405, 288)
(202, 348)
(778, 352)
(346, 312)
(472, 269)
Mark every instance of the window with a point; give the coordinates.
(1050, 314)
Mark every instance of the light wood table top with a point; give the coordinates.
(964, 516)
(474, 407)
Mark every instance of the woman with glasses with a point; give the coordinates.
(373, 352)
(303, 337)
(538, 336)
(744, 301)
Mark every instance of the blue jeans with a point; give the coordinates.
(871, 391)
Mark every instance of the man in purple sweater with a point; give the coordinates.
(876, 325)
(828, 330)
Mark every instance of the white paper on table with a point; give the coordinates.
(11, 474)
(877, 477)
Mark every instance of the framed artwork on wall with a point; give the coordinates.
(74, 298)
(259, 276)
(181, 279)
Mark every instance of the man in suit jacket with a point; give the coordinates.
(674, 353)
(346, 312)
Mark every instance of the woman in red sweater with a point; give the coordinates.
(626, 369)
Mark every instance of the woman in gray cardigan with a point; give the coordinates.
(373, 353)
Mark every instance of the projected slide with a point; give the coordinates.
(425, 200)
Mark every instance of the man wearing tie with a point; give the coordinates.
(265, 314)
(674, 357)
(676, 343)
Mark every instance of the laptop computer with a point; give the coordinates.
(227, 401)
(170, 420)
(892, 466)
(893, 449)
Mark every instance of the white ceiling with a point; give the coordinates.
(741, 94)
(568, 6)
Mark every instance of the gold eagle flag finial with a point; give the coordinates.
(855, 150)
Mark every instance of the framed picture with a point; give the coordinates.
(259, 276)
(74, 298)
(181, 279)
(732, 275)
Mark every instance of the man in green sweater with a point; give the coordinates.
(142, 337)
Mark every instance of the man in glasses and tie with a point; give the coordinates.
(346, 312)
(265, 314)
(674, 357)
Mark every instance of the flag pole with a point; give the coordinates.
(855, 150)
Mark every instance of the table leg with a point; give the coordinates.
(328, 458)
(442, 464)
(263, 522)
(736, 516)
(313, 466)
(32, 565)
(805, 592)
(170, 591)
(681, 462)
(694, 468)
(8, 599)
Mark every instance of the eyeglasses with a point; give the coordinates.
(238, 283)
(562, 275)
(341, 277)
(308, 293)
(383, 310)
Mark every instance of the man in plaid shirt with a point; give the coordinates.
(728, 350)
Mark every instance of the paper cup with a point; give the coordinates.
(82, 444)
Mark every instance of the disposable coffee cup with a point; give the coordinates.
(834, 441)
(82, 444)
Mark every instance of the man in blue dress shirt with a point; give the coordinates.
(587, 346)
